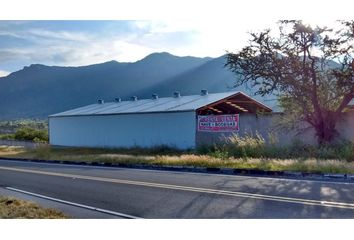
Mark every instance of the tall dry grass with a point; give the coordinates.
(235, 155)
(15, 208)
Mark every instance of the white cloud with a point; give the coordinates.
(59, 35)
(207, 36)
(11, 34)
(130, 52)
(13, 54)
(4, 73)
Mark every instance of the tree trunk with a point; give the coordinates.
(325, 128)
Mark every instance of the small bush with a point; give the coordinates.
(347, 152)
(31, 134)
(247, 146)
(43, 152)
(7, 137)
(220, 153)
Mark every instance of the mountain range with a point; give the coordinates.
(37, 91)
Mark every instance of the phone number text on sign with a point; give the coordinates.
(218, 123)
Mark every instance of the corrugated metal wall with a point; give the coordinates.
(176, 129)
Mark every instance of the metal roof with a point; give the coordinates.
(167, 104)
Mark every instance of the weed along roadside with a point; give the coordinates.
(246, 158)
(15, 208)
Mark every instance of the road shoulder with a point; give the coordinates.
(71, 211)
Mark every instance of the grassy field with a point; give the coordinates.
(169, 157)
(14, 208)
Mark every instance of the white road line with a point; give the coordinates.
(181, 172)
(75, 204)
(192, 189)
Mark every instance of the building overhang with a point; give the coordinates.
(237, 103)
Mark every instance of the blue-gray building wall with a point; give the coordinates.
(175, 129)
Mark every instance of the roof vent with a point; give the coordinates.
(204, 92)
(155, 96)
(100, 101)
(176, 94)
(134, 98)
(118, 100)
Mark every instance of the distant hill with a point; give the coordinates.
(37, 91)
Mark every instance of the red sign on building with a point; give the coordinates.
(218, 123)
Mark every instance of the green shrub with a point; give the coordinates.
(347, 152)
(43, 152)
(247, 146)
(31, 134)
(7, 136)
(220, 152)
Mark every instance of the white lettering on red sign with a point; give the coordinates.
(218, 123)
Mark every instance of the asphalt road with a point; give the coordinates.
(163, 194)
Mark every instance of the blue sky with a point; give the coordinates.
(76, 43)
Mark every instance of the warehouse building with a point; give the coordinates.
(177, 121)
